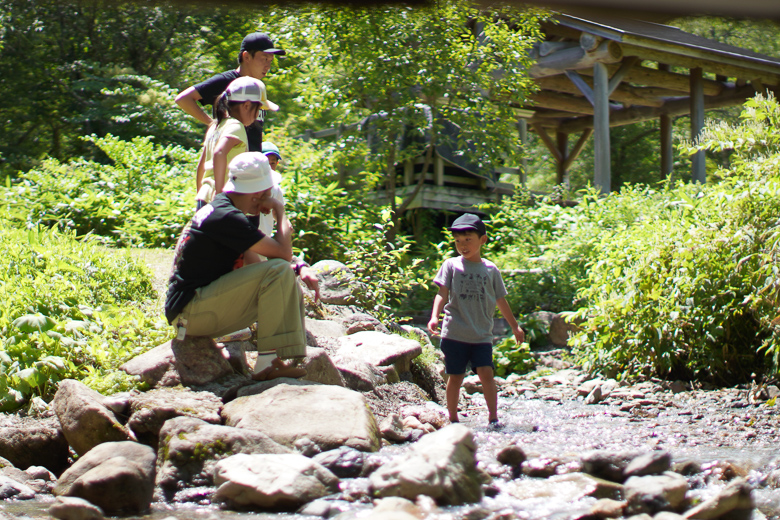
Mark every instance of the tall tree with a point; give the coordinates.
(408, 71)
(75, 67)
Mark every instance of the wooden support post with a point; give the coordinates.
(560, 163)
(602, 176)
(698, 165)
(438, 170)
(523, 129)
(408, 172)
(667, 157)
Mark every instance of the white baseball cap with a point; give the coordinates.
(247, 88)
(249, 172)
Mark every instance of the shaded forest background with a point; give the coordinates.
(666, 279)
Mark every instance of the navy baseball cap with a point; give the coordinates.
(258, 41)
(469, 222)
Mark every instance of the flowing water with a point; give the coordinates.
(712, 429)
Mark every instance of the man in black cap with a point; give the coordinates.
(254, 59)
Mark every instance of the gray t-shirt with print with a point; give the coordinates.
(474, 288)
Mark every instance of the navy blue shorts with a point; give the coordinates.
(458, 354)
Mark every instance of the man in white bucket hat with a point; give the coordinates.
(207, 296)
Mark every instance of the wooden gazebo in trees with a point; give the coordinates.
(597, 73)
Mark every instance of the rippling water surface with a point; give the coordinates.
(548, 428)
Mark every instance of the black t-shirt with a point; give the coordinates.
(216, 237)
(213, 87)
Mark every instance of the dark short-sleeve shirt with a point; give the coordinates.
(212, 88)
(474, 288)
(215, 239)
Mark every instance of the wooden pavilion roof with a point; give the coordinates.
(648, 65)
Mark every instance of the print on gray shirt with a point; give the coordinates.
(474, 288)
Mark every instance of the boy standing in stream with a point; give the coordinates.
(470, 288)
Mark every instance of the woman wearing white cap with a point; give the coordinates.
(237, 108)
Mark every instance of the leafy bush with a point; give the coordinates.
(511, 358)
(142, 199)
(690, 288)
(386, 269)
(70, 309)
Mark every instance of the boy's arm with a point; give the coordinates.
(506, 312)
(438, 306)
(188, 101)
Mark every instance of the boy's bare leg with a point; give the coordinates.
(489, 391)
(453, 394)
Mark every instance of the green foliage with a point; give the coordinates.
(690, 289)
(511, 358)
(67, 311)
(142, 199)
(386, 270)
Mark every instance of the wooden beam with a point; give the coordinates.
(589, 42)
(547, 48)
(438, 169)
(602, 175)
(562, 140)
(677, 107)
(715, 67)
(625, 94)
(408, 171)
(548, 142)
(581, 85)
(698, 164)
(616, 78)
(669, 80)
(562, 102)
(577, 149)
(575, 58)
(667, 157)
(693, 57)
(522, 128)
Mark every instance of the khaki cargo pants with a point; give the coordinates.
(265, 292)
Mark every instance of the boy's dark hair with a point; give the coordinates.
(468, 222)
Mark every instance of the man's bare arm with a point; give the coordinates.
(188, 101)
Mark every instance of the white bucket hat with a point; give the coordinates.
(249, 172)
(247, 88)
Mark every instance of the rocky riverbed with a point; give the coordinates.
(365, 434)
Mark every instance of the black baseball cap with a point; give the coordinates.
(258, 41)
(469, 222)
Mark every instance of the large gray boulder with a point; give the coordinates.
(337, 283)
(330, 416)
(84, 419)
(73, 508)
(272, 482)
(735, 500)
(655, 493)
(380, 349)
(118, 477)
(38, 443)
(320, 368)
(196, 360)
(150, 410)
(190, 448)
(11, 488)
(358, 374)
(441, 465)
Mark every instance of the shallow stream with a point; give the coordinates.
(717, 429)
